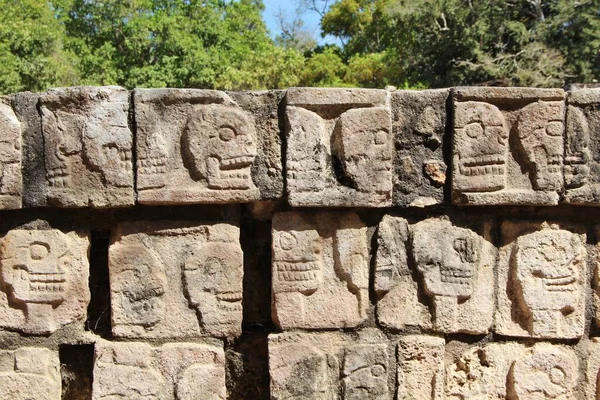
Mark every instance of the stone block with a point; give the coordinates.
(507, 146)
(326, 365)
(592, 370)
(339, 147)
(44, 279)
(183, 371)
(419, 127)
(267, 170)
(513, 371)
(420, 368)
(194, 146)
(30, 373)
(175, 279)
(542, 278)
(320, 270)
(582, 147)
(434, 275)
(88, 147)
(11, 183)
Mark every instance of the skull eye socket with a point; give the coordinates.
(380, 137)
(474, 130)
(226, 133)
(287, 241)
(38, 251)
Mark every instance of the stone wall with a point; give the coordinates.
(301, 244)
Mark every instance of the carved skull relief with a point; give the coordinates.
(220, 145)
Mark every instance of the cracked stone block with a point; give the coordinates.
(318, 366)
(30, 373)
(320, 270)
(339, 147)
(419, 127)
(508, 146)
(44, 279)
(541, 281)
(88, 147)
(11, 183)
(434, 275)
(513, 371)
(582, 147)
(194, 146)
(420, 367)
(176, 279)
(182, 371)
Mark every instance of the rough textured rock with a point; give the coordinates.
(267, 170)
(44, 279)
(339, 147)
(32, 157)
(88, 147)
(420, 368)
(419, 126)
(582, 147)
(513, 371)
(541, 281)
(507, 146)
(322, 366)
(176, 279)
(183, 371)
(193, 146)
(30, 373)
(592, 370)
(11, 184)
(451, 265)
(320, 270)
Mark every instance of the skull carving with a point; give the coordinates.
(34, 265)
(449, 267)
(540, 126)
(63, 144)
(213, 275)
(219, 145)
(548, 267)
(481, 147)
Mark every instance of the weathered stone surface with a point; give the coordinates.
(193, 146)
(182, 371)
(176, 279)
(88, 147)
(267, 169)
(33, 166)
(451, 265)
(419, 126)
(592, 370)
(339, 147)
(507, 146)
(582, 147)
(541, 281)
(11, 184)
(30, 373)
(44, 279)
(318, 366)
(420, 368)
(320, 270)
(513, 371)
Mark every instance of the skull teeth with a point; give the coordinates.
(230, 297)
(237, 162)
(283, 266)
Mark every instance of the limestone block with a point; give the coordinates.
(11, 183)
(419, 126)
(183, 371)
(452, 266)
(541, 281)
(175, 279)
(339, 147)
(513, 371)
(193, 146)
(318, 366)
(44, 279)
(420, 368)
(88, 147)
(320, 270)
(592, 370)
(30, 373)
(507, 146)
(582, 147)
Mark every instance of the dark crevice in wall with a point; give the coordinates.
(98, 320)
(248, 365)
(76, 369)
